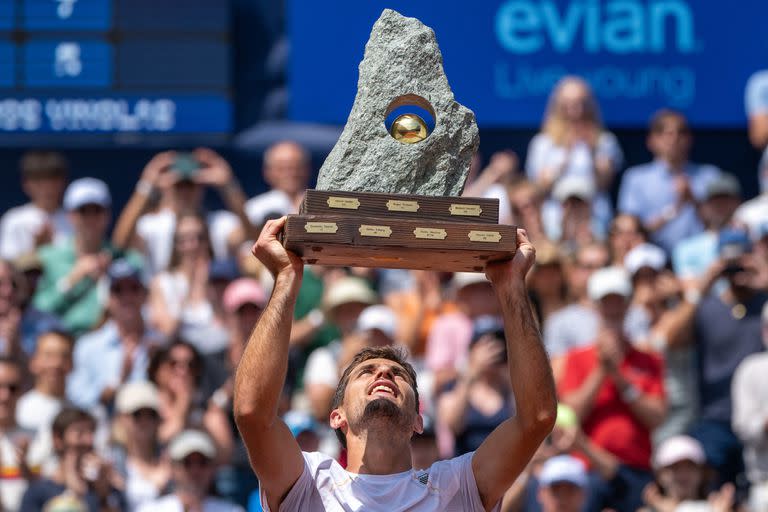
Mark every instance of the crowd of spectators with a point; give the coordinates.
(118, 348)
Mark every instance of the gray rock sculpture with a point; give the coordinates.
(402, 64)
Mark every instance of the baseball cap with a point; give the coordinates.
(137, 395)
(563, 468)
(645, 255)
(28, 262)
(574, 186)
(121, 269)
(243, 291)
(189, 442)
(609, 280)
(725, 184)
(299, 421)
(676, 449)
(86, 191)
(348, 290)
(378, 317)
(732, 243)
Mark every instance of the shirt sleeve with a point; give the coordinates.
(572, 377)
(628, 200)
(470, 494)
(756, 94)
(537, 151)
(301, 495)
(608, 147)
(83, 388)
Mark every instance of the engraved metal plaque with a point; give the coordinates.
(484, 236)
(430, 233)
(467, 210)
(398, 205)
(346, 203)
(321, 227)
(377, 231)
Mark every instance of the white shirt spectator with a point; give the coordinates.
(156, 230)
(272, 202)
(19, 226)
(756, 102)
(12, 484)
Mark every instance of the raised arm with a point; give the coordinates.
(506, 451)
(274, 454)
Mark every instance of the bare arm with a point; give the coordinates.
(151, 177)
(506, 451)
(583, 399)
(261, 373)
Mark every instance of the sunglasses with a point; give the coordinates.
(196, 460)
(13, 387)
(141, 414)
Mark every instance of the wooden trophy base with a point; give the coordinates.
(386, 231)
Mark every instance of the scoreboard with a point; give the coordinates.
(114, 68)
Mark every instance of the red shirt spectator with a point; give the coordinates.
(611, 423)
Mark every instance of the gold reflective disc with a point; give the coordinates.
(409, 129)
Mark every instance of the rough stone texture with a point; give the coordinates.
(402, 57)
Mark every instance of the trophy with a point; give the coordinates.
(388, 195)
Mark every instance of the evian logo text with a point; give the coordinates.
(612, 26)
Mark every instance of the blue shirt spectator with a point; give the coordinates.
(664, 192)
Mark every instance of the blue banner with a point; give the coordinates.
(67, 15)
(113, 113)
(502, 57)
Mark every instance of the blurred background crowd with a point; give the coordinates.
(122, 322)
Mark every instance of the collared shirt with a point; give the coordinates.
(80, 306)
(99, 361)
(648, 190)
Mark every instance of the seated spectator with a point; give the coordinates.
(616, 390)
(480, 399)
(14, 439)
(451, 333)
(118, 351)
(547, 281)
(84, 478)
(570, 220)
(33, 321)
(177, 372)
(50, 365)
(682, 480)
(694, 255)
(181, 180)
(749, 393)
(286, 170)
(74, 270)
(562, 485)
(724, 328)
(179, 299)
(625, 233)
(193, 462)
(141, 464)
(664, 193)
(24, 229)
(493, 182)
(526, 200)
(572, 142)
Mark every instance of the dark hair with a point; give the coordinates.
(67, 417)
(162, 355)
(396, 354)
(665, 114)
(58, 333)
(43, 164)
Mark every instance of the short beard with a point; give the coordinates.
(382, 409)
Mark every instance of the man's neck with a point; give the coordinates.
(86, 245)
(133, 327)
(50, 389)
(190, 502)
(676, 165)
(50, 209)
(378, 454)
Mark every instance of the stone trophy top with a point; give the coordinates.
(402, 68)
